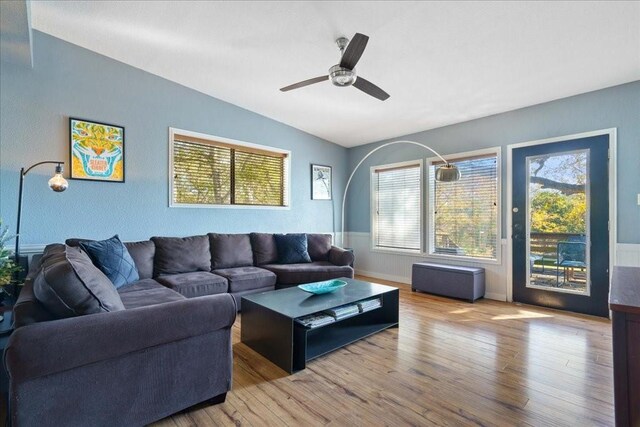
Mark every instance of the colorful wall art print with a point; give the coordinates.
(97, 151)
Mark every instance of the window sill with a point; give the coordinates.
(420, 254)
(494, 261)
(406, 252)
(196, 206)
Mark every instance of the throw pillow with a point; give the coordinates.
(292, 248)
(68, 284)
(113, 259)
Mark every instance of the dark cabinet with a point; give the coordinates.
(624, 302)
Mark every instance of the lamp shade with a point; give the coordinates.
(447, 173)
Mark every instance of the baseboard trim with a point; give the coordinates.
(407, 281)
(495, 296)
(392, 278)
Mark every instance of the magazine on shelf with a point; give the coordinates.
(370, 304)
(343, 311)
(315, 320)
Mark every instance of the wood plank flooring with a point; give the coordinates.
(449, 363)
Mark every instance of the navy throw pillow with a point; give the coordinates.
(113, 259)
(292, 248)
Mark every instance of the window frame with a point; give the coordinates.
(373, 204)
(286, 172)
(430, 232)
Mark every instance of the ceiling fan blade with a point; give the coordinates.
(305, 83)
(370, 89)
(354, 50)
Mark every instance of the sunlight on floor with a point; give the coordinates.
(461, 311)
(522, 314)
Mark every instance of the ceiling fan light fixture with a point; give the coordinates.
(341, 76)
(344, 73)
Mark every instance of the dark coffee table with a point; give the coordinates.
(268, 321)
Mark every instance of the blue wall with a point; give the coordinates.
(615, 107)
(67, 80)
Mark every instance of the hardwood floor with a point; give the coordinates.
(449, 363)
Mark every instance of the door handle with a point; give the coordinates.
(516, 233)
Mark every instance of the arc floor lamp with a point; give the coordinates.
(445, 173)
(57, 183)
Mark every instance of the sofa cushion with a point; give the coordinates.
(292, 248)
(176, 255)
(318, 246)
(140, 285)
(247, 278)
(230, 250)
(142, 253)
(195, 284)
(113, 259)
(264, 248)
(68, 284)
(147, 292)
(316, 271)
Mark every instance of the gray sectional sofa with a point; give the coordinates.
(238, 264)
(166, 343)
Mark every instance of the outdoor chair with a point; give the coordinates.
(571, 255)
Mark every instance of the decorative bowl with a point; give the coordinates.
(323, 287)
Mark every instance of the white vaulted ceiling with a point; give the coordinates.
(441, 62)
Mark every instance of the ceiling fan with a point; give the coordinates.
(344, 73)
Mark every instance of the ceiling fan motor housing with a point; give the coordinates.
(341, 76)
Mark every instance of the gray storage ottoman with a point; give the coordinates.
(448, 280)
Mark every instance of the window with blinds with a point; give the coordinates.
(396, 203)
(214, 171)
(464, 213)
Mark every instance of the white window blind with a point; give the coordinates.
(209, 172)
(465, 212)
(396, 208)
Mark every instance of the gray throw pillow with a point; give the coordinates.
(113, 259)
(68, 284)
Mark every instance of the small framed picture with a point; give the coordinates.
(97, 151)
(320, 182)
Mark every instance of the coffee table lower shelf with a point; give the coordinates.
(290, 345)
(326, 339)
